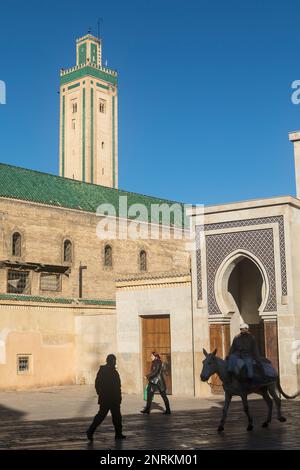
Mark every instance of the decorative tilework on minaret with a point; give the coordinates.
(89, 117)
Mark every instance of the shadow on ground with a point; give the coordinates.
(193, 429)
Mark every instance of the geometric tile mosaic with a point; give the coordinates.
(259, 242)
(243, 223)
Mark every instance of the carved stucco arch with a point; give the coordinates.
(223, 274)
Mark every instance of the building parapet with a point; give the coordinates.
(151, 280)
(56, 300)
(88, 36)
(88, 64)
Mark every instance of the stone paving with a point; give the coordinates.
(56, 418)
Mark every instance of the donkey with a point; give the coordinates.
(232, 386)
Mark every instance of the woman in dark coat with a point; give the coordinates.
(156, 383)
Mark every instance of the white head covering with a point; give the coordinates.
(244, 326)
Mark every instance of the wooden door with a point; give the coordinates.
(271, 343)
(220, 340)
(156, 337)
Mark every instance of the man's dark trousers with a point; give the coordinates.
(105, 407)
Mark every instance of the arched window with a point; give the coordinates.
(102, 106)
(143, 260)
(67, 251)
(108, 255)
(16, 244)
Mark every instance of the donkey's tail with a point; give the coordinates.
(288, 397)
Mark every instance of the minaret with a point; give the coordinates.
(89, 117)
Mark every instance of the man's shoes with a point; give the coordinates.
(89, 436)
(167, 412)
(120, 436)
(145, 411)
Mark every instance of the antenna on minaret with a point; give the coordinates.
(100, 20)
(89, 30)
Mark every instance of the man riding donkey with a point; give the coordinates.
(261, 377)
(244, 353)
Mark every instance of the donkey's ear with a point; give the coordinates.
(214, 352)
(205, 352)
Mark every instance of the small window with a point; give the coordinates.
(102, 145)
(143, 260)
(74, 107)
(50, 282)
(67, 251)
(16, 244)
(23, 364)
(73, 124)
(102, 106)
(108, 255)
(102, 171)
(18, 282)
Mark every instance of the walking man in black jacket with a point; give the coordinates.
(108, 388)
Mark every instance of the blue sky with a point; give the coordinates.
(204, 91)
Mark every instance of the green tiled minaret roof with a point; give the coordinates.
(44, 188)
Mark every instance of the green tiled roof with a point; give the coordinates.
(34, 186)
(97, 302)
(56, 300)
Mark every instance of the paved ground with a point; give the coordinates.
(56, 418)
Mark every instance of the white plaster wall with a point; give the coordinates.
(173, 301)
(290, 323)
(95, 338)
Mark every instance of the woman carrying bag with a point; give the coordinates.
(156, 383)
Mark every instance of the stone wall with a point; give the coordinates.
(65, 343)
(43, 231)
(46, 334)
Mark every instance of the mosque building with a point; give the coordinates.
(70, 295)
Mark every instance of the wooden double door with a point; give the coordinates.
(265, 334)
(156, 337)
